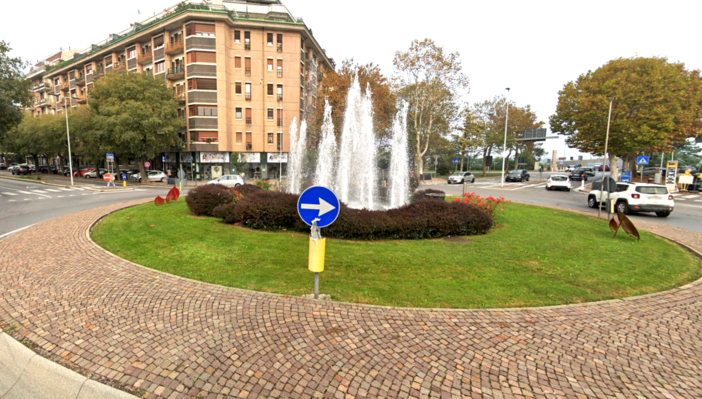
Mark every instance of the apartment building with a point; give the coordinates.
(41, 87)
(240, 70)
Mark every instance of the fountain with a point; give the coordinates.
(351, 171)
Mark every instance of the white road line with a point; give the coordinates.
(39, 191)
(52, 190)
(27, 192)
(60, 196)
(15, 231)
(691, 196)
(9, 193)
(11, 201)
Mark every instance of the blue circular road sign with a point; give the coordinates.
(318, 204)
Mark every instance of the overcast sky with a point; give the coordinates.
(532, 47)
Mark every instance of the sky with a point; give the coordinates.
(532, 47)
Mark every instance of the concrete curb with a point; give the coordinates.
(24, 374)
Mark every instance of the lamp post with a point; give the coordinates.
(604, 164)
(280, 149)
(68, 133)
(504, 146)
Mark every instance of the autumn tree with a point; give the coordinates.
(136, 114)
(430, 81)
(14, 90)
(656, 105)
(469, 137)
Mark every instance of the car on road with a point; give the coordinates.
(228, 180)
(93, 174)
(517, 175)
(558, 181)
(601, 167)
(460, 177)
(153, 176)
(579, 174)
(650, 171)
(589, 171)
(53, 169)
(22, 169)
(12, 167)
(637, 197)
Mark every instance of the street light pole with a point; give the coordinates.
(604, 164)
(504, 146)
(68, 134)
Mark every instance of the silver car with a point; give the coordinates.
(460, 177)
(228, 180)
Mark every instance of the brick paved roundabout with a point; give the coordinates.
(163, 336)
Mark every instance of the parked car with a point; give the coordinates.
(2, 166)
(579, 174)
(12, 167)
(228, 180)
(558, 181)
(589, 171)
(650, 171)
(129, 173)
(53, 169)
(93, 174)
(517, 175)
(460, 177)
(637, 197)
(153, 175)
(682, 169)
(606, 168)
(22, 169)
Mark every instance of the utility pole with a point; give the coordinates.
(504, 146)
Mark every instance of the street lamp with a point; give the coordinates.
(604, 164)
(504, 146)
(68, 133)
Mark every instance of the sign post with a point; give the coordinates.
(318, 207)
(181, 178)
(109, 179)
(671, 174)
(641, 161)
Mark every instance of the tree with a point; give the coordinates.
(469, 136)
(136, 114)
(656, 105)
(14, 90)
(430, 81)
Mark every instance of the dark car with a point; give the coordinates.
(579, 174)
(53, 169)
(588, 171)
(22, 170)
(517, 175)
(606, 168)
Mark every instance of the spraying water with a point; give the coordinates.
(327, 152)
(398, 188)
(298, 151)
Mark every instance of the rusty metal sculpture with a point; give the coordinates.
(158, 201)
(625, 224)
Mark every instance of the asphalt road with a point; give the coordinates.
(687, 214)
(23, 204)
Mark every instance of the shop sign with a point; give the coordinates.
(275, 157)
(214, 157)
(250, 157)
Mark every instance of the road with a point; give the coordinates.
(23, 204)
(687, 214)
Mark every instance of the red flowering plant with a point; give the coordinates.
(237, 195)
(488, 204)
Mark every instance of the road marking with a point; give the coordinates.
(27, 192)
(15, 231)
(52, 190)
(39, 191)
(9, 193)
(11, 201)
(691, 196)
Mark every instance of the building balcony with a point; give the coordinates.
(247, 71)
(65, 86)
(82, 100)
(248, 96)
(180, 97)
(176, 73)
(174, 47)
(145, 58)
(119, 67)
(80, 81)
(280, 47)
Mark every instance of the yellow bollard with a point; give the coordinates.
(317, 250)
(124, 183)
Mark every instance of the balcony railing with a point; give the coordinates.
(117, 66)
(180, 97)
(248, 96)
(82, 100)
(65, 86)
(249, 146)
(80, 80)
(248, 121)
(280, 73)
(280, 97)
(247, 71)
(145, 58)
(176, 73)
(280, 47)
(247, 46)
(174, 47)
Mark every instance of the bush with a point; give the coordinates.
(246, 189)
(487, 204)
(428, 194)
(203, 199)
(427, 218)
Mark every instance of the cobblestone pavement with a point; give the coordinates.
(164, 336)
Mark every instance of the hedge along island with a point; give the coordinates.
(532, 256)
(429, 216)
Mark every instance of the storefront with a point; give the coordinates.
(275, 163)
(211, 165)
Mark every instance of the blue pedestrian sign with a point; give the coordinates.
(456, 160)
(626, 176)
(642, 160)
(190, 159)
(318, 204)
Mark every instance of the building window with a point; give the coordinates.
(237, 86)
(237, 62)
(248, 91)
(238, 137)
(238, 113)
(249, 141)
(132, 53)
(237, 36)
(202, 84)
(280, 68)
(280, 92)
(280, 141)
(270, 137)
(270, 39)
(270, 114)
(200, 30)
(203, 110)
(302, 44)
(160, 67)
(247, 66)
(270, 89)
(247, 40)
(280, 117)
(280, 43)
(249, 119)
(270, 65)
(202, 56)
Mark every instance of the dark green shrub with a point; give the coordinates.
(226, 213)
(266, 210)
(428, 194)
(203, 199)
(246, 189)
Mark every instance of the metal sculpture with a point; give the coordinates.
(625, 224)
(158, 201)
(173, 195)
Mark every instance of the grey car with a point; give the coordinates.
(461, 177)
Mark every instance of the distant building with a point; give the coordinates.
(240, 70)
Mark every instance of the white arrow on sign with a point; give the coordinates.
(323, 207)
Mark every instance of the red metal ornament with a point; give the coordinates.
(173, 195)
(158, 201)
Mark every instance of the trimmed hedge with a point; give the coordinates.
(428, 194)
(203, 199)
(427, 218)
(246, 189)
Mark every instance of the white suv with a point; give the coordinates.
(637, 197)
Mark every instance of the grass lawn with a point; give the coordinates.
(536, 257)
